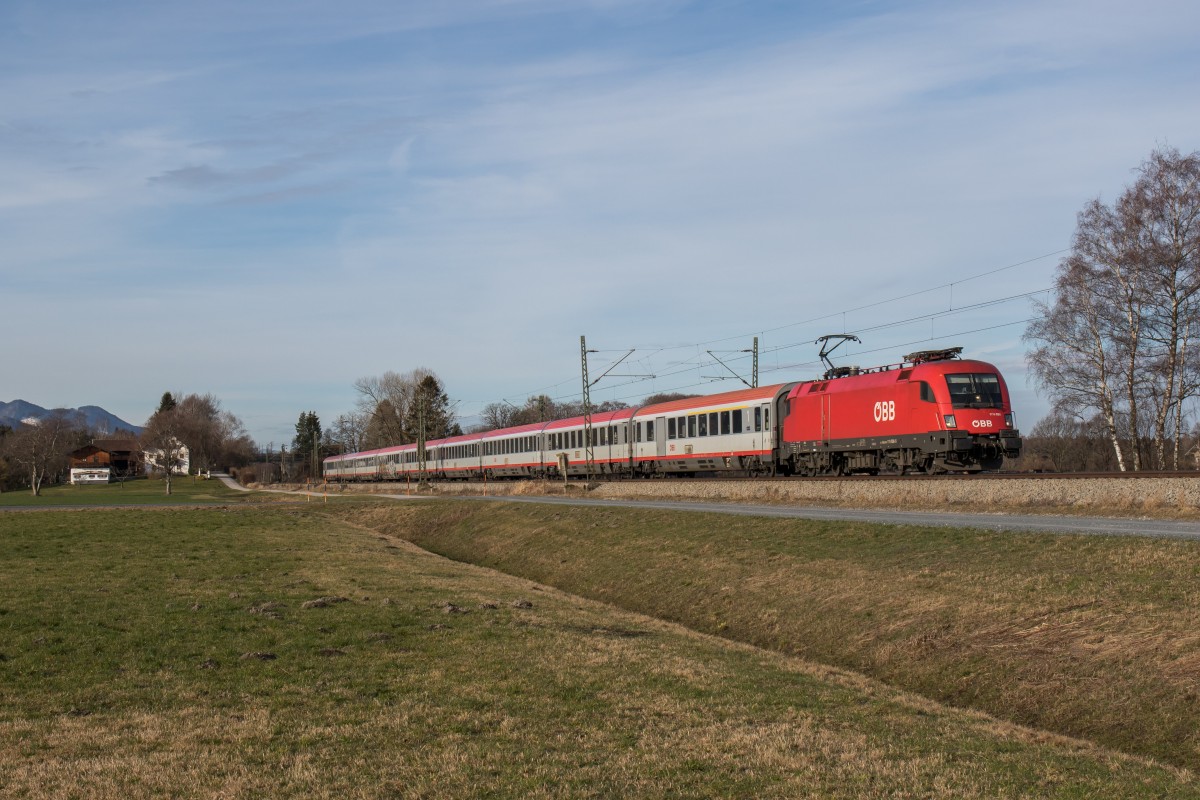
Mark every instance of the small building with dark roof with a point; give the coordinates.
(122, 456)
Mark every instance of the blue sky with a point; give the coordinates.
(266, 201)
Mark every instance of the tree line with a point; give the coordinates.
(1117, 346)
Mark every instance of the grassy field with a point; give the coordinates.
(141, 491)
(280, 652)
(1095, 637)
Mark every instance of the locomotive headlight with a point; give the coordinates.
(1008, 421)
(950, 421)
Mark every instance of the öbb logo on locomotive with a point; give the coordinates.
(943, 414)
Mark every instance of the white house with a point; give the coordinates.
(179, 457)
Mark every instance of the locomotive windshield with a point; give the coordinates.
(974, 390)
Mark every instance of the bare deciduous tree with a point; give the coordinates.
(166, 453)
(348, 432)
(1117, 338)
(40, 448)
(385, 400)
(498, 415)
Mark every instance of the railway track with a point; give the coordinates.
(982, 476)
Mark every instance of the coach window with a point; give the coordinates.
(691, 426)
(737, 420)
(757, 419)
(724, 422)
(650, 430)
(712, 423)
(703, 430)
(671, 428)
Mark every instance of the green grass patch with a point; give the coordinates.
(1094, 637)
(280, 652)
(140, 491)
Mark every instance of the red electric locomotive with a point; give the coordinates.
(932, 413)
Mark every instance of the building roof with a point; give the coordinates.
(117, 445)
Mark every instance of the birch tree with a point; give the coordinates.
(1117, 339)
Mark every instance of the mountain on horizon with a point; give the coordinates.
(96, 417)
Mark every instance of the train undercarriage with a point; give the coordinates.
(935, 453)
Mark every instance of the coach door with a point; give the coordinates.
(660, 436)
(762, 416)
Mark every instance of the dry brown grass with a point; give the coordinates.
(1089, 637)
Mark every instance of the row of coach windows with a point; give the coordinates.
(504, 447)
(460, 451)
(714, 423)
(602, 435)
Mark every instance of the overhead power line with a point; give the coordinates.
(698, 360)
